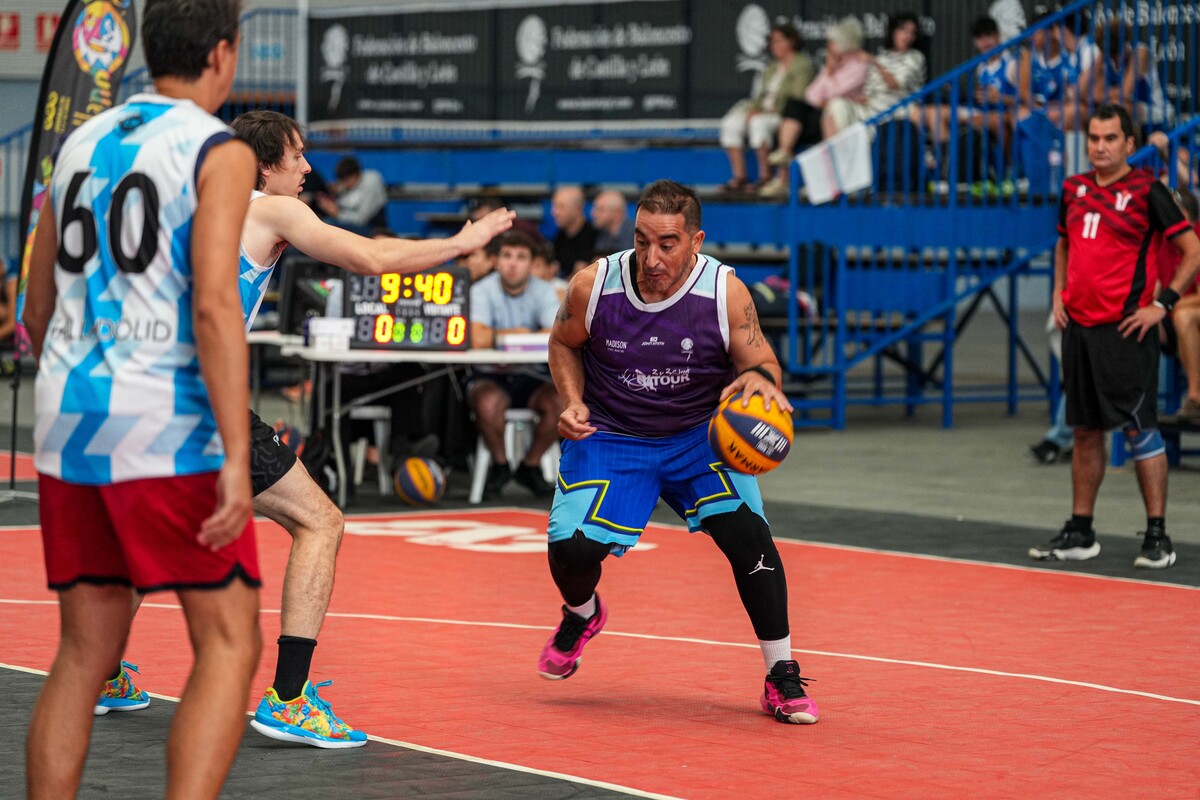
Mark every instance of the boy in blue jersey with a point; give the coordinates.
(291, 708)
(141, 434)
(648, 342)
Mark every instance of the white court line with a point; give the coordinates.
(713, 643)
(801, 542)
(434, 751)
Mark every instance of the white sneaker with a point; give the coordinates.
(779, 157)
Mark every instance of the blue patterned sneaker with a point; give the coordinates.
(120, 694)
(308, 720)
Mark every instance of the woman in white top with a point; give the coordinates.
(898, 71)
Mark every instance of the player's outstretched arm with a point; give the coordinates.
(292, 221)
(751, 353)
(223, 194)
(567, 339)
(40, 290)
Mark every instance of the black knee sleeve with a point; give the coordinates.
(575, 566)
(745, 539)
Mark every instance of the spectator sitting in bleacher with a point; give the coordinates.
(575, 241)
(897, 72)
(546, 268)
(614, 228)
(1185, 317)
(995, 95)
(511, 300)
(1184, 176)
(1126, 74)
(843, 75)
(361, 197)
(755, 120)
(317, 194)
(1050, 72)
(481, 262)
(485, 205)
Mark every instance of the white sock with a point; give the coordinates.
(776, 650)
(586, 610)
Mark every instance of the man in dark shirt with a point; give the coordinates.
(1104, 300)
(575, 242)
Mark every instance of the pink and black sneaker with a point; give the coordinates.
(560, 656)
(784, 697)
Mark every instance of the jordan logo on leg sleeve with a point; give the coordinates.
(759, 566)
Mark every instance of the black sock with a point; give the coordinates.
(116, 674)
(291, 669)
(1156, 523)
(1083, 522)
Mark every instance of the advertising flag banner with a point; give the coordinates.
(83, 72)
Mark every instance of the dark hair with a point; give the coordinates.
(1187, 201)
(789, 32)
(520, 239)
(178, 35)
(984, 26)
(268, 133)
(1113, 37)
(1078, 22)
(1111, 110)
(893, 25)
(348, 167)
(669, 197)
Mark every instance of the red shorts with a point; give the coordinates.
(139, 533)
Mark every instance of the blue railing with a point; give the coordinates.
(961, 201)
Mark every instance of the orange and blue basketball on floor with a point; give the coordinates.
(751, 439)
(420, 481)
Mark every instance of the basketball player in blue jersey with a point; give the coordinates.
(647, 343)
(291, 709)
(141, 438)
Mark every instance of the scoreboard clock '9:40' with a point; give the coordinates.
(422, 311)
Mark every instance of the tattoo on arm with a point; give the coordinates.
(754, 334)
(564, 311)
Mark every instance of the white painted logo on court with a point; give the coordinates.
(460, 534)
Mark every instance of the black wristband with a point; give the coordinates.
(760, 371)
(1167, 298)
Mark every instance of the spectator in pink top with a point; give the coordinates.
(843, 75)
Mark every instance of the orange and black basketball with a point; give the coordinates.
(750, 439)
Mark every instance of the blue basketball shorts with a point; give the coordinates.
(609, 484)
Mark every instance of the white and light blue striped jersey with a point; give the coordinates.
(254, 277)
(119, 391)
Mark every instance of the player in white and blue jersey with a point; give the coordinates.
(140, 435)
(291, 710)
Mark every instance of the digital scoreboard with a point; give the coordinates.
(419, 311)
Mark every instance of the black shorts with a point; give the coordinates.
(270, 459)
(519, 386)
(1111, 380)
(809, 118)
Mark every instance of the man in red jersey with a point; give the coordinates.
(1104, 283)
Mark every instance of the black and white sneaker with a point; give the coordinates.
(1071, 544)
(1047, 452)
(1157, 552)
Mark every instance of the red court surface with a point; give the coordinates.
(25, 470)
(936, 678)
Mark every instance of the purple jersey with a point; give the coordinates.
(656, 369)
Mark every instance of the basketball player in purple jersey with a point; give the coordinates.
(647, 344)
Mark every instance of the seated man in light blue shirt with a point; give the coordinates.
(511, 300)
